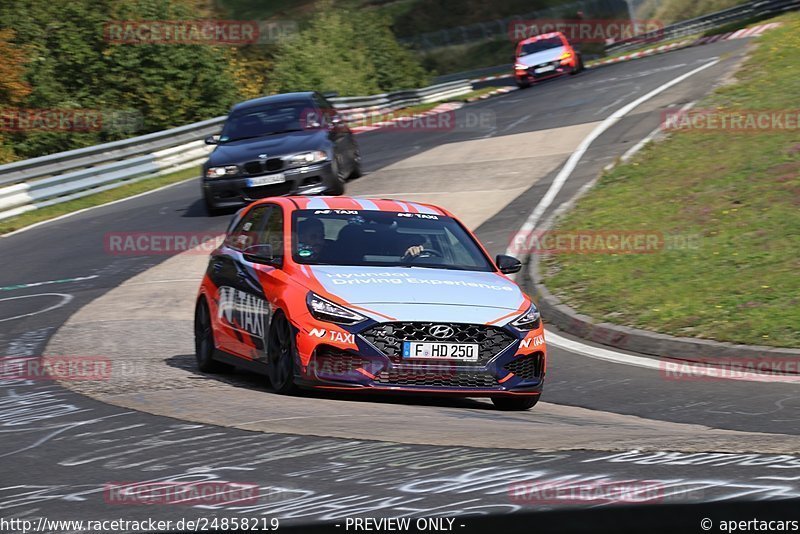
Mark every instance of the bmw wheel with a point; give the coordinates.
(337, 187)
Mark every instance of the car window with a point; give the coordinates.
(265, 120)
(245, 232)
(376, 238)
(540, 45)
(271, 232)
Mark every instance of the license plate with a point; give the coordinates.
(266, 180)
(464, 352)
(548, 68)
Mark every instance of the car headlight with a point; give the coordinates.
(325, 310)
(306, 158)
(219, 172)
(520, 66)
(529, 320)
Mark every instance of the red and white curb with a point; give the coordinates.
(755, 31)
(441, 108)
(645, 53)
(498, 91)
(490, 78)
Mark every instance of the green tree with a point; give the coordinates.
(13, 88)
(350, 53)
(73, 65)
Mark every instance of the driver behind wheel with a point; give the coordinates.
(414, 245)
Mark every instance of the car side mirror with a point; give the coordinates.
(262, 254)
(212, 140)
(508, 264)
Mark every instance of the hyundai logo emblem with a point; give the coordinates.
(441, 331)
(262, 156)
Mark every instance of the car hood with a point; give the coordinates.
(421, 294)
(545, 56)
(273, 146)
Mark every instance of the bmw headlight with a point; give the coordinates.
(220, 172)
(306, 158)
(325, 310)
(530, 320)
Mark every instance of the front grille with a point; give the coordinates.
(269, 190)
(389, 338)
(526, 367)
(330, 362)
(254, 168)
(416, 376)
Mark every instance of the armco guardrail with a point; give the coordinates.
(35, 183)
(758, 8)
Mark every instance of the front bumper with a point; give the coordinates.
(505, 367)
(530, 75)
(236, 191)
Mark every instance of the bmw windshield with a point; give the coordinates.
(386, 239)
(265, 120)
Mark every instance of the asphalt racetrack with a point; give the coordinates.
(329, 456)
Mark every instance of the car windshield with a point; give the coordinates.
(540, 46)
(386, 239)
(269, 119)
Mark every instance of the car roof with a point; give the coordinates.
(357, 203)
(272, 99)
(542, 36)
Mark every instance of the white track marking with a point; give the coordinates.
(697, 370)
(48, 282)
(572, 162)
(48, 221)
(64, 301)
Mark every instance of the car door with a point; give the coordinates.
(242, 309)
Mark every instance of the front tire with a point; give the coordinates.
(515, 404)
(337, 188)
(204, 346)
(578, 67)
(356, 172)
(211, 209)
(280, 356)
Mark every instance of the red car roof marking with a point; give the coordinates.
(343, 203)
(301, 202)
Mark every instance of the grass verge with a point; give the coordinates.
(735, 195)
(50, 212)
